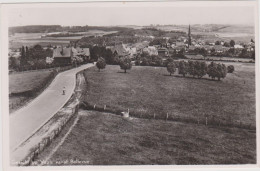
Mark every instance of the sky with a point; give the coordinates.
(108, 14)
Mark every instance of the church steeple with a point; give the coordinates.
(189, 37)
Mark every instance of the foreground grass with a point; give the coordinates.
(21, 83)
(106, 139)
(150, 91)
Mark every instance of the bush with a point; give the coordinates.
(171, 67)
(230, 69)
(101, 63)
(125, 63)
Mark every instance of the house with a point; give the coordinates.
(163, 52)
(180, 44)
(62, 55)
(208, 48)
(81, 52)
(219, 48)
(238, 46)
(119, 50)
(151, 50)
(131, 50)
(192, 47)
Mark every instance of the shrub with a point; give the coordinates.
(125, 63)
(101, 63)
(230, 69)
(171, 67)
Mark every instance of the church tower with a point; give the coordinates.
(189, 37)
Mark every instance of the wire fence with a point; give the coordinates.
(204, 119)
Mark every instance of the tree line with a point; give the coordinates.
(193, 68)
(199, 69)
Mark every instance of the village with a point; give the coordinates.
(182, 47)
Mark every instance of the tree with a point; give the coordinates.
(145, 61)
(171, 67)
(101, 63)
(226, 44)
(14, 63)
(217, 70)
(253, 54)
(232, 43)
(212, 70)
(230, 69)
(231, 51)
(212, 51)
(183, 68)
(200, 69)
(217, 42)
(157, 60)
(191, 68)
(23, 57)
(203, 52)
(125, 63)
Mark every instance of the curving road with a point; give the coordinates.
(26, 121)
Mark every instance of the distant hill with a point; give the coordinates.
(237, 29)
(58, 28)
(35, 29)
(208, 28)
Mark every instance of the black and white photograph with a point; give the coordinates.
(130, 84)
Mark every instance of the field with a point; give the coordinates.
(30, 39)
(23, 86)
(107, 139)
(151, 92)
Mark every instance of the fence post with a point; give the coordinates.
(104, 107)
(154, 115)
(167, 116)
(206, 121)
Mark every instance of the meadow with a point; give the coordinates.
(106, 139)
(149, 92)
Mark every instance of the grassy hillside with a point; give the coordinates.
(24, 86)
(27, 81)
(149, 91)
(106, 139)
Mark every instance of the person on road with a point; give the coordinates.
(63, 91)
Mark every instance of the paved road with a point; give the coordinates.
(26, 121)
